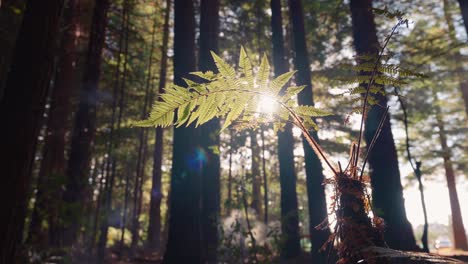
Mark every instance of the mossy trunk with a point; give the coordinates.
(357, 232)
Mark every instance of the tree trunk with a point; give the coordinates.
(52, 170)
(84, 127)
(21, 108)
(107, 182)
(387, 194)
(459, 69)
(313, 166)
(12, 21)
(464, 12)
(255, 173)
(154, 227)
(265, 180)
(459, 235)
(143, 138)
(289, 210)
(184, 238)
(208, 136)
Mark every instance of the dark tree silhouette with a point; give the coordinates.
(388, 201)
(313, 166)
(208, 136)
(53, 163)
(154, 227)
(184, 237)
(84, 128)
(21, 108)
(289, 211)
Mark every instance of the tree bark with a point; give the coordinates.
(21, 108)
(208, 137)
(459, 235)
(289, 209)
(184, 238)
(84, 127)
(52, 169)
(313, 166)
(387, 194)
(154, 227)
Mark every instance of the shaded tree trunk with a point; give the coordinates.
(289, 210)
(154, 227)
(52, 170)
(208, 136)
(184, 238)
(464, 12)
(84, 127)
(143, 138)
(387, 194)
(459, 235)
(107, 183)
(265, 180)
(21, 108)
(255, 173)
(313, 166)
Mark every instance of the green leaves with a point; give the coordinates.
(233, 96)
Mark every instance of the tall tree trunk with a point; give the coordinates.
(21, 108)
(289, 210)
(459, 69)
(265, 180)
(208, 136)
(84, 127)
(464, 12)
(142, 145)
(459, 235)
(52, 170)
(255, 173)
(184, 238)
(154, 227)
(107, 182)
(313, 166)
(387, 194)
(229, 183)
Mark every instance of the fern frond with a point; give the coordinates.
(230, 95)
(263, 73)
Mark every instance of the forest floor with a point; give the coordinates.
(151, 258)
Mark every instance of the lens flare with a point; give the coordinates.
(267, 105)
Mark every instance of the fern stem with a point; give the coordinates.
(366, 96)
